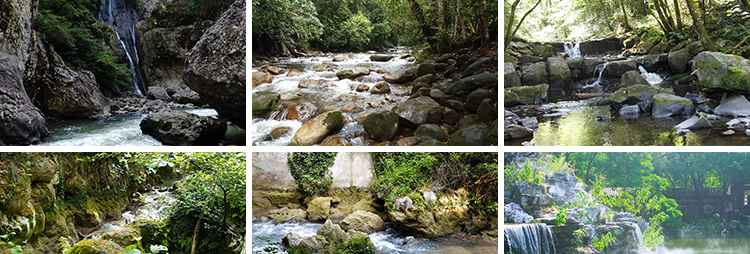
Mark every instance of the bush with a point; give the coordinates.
(310, 171)
(358, 30)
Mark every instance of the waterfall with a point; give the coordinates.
(573, 51)
(529, 239)
(601, 71)
(123, 18)
(639, 236)
(652, 78)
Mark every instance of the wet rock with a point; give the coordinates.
(352, 73)
(265, 102)
(728, 133)
(559, 72)
(601, 45)
(275, 70)
(324, 67)
(515, 131)
(511, 78)
(362, 88)
(639, 92)
(96, 246)
(719, 70)
(631, 78)
(738, 123)
(487, 81)
(292, 239)
(534, 74)
(123, 237)
(381, 58)
(287, 215)
(419, 111)
(186, 96)
(618, 68)
(319, 208)
(515, 213)
(666, 105)
(530, 122)
(351, 97)
(215, 67)
(425, 69)
(487, 110)
(315, 130)
(531, 195)
(314, 243)
(381, 126)
(735, 105)
(649, 62)
(260, 78)
(302, 112)
(335, 141)
(525, 94)
(589, 67)
(473, 135)
(678, 60)
(400, 76)
(363, 221)
(311, 83)
(381, 88)
(697, 121)
(351, 108)
(154, 106)
(181, 128)
(432, 131)
(476, 66)
(294, 73)
(632, 110)
(339, 58)
(158, 92)
(280, 131)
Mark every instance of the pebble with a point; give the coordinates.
(728, 133)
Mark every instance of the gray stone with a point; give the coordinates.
(735, 105)
(182, 128)
(534, 74)
(432, 131)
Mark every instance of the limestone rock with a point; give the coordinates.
(21, 123)
(319, 208)
(363, 221)
(315, 130)
(183, 128)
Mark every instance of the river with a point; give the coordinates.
(267, 238)
(327, 97)
(705, 246)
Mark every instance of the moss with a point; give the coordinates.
(736, 78)
(164, 125)
(96, 247)
(333, 121)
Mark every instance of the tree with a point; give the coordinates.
(284, 25)
(698, 24)
(511, 27)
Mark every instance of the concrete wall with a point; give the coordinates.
(348, 170)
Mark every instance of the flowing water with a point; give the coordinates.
(529, 239)
(705, 246)
(119, 15)
(119, 130)
(573, 51)
(267, 239)
(155, 208)
(327, 97)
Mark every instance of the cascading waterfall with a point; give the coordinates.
(652, 78)
(529, 239)
(601, 71)
(639, 236)
(573, 51)
(123, 18)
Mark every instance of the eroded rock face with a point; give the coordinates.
(363, 221)
(20, 122)
(215, 67)
(181, 128)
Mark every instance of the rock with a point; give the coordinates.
(381, 88)
(287, 215)
(186, 96)
(403, 204)
(525, 94)
(450, 116)
(314, 243)
(265, 102)
(678, 60)
(476, 66)
(632, 78)
(430, 142)
(181, 128)
(381, 126)
(335, 140)
(487, 110)
(351, 97)
(351, 108)
(719, 70)
(280, 131)
(649, 62)
(630, 110)
(313, 131)
(408, 141)
(290, 96)
(515, 213)
(475, 98)
(728, 133)
(123, 237)
(425, 69)
(601, 45)
(333, 233)
(401, 76)
(559, 73)
(515, 131)
(352, 73)
(735, 105)
(432, 131)
(96, 246)
(363, 221)
(473, 135)
(618, 68)
(302, 112)
(319, 208)
(589, 67)
(215, 67)
(292, 239)
(324, 67)
(642, 92)
(468, 84)
(362, 88)
(158, 92)
(311, 83)
(425, 79)
(666, 105)
(275, 70)
(294, 73)
(339, 58)
(534, 74)
(419, 111)
(511, 77)
(380, 58)
(445, 57)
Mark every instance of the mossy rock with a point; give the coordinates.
(265, 102)
(525, 94)
(725, 71)
(95, 246)
(123, 237)
(641, 91)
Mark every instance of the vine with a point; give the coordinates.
(310, 171)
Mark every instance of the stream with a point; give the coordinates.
(267, 238)
(118, 130)
(327, 97)
(705, 246)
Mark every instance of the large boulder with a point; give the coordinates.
(588, 67)
(363, 221)
(651, 62)
(186, 96)
(173, 127)
(21, 123)
(601, 45)
(419, 110)
(265, 102)
(632, 78)
(666, 105)
(380, 88)
(559, 72)
(525, 94)
(215, 67)
(474, 99)
(319, 208)
(96, 246)
(315, 130)
(468, 84)
(719, 70)
(678, 60)
(641, 92)
(381, 126)
(275, 70)
(352, 73)
(473, 135)
(618, 68)
(735, 105)
(302, 112)
(476, 66)
(511, 77)
(401, 76)
(431, 131)
(260, 78)
(158, 93)
(381, 58)
(534, 74)
(697, 121)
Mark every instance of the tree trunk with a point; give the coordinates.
(666, 27)
(195, 235)
(509, 36)
(416, 10)
(625, 22)
(705, 40)
(441, 14)
(677, 16)
(484, 26)
(606, 13)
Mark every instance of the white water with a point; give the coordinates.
(599, 79)
(123, 19)
(573, 52)
(118, 131)
(652, 78)
(155, 209)
(530, 239)
(326, 98)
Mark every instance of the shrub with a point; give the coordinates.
(310, 171)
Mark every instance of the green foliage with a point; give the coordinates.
(601, 243)
(402, 173)
(360, 245)
(561, 217)
(283, 25)
(5, 242)
(358, 30)
(578, 236)
(12, 183)
(310, 171)
(77, 37)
